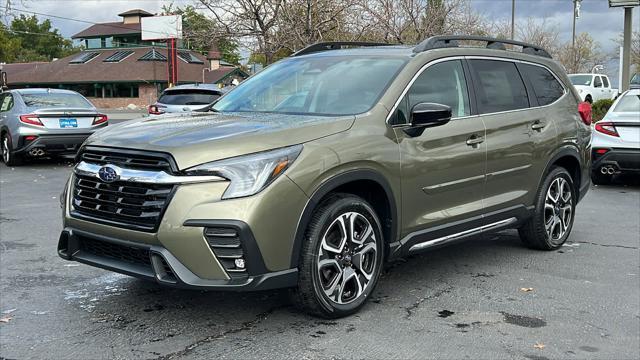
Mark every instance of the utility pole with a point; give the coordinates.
(626, 49)
(513, 19)
(576, 15)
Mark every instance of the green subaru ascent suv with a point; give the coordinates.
(316, 171)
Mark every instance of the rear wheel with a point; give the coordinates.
(8, 155)
(552, 221)
(341, 257)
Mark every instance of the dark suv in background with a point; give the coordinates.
(319, 169)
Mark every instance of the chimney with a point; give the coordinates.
(214, 56)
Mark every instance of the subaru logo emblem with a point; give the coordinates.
(108, 174)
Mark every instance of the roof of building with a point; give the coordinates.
(138, 12)
(127, 68)
(112, 28)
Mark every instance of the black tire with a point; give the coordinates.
(600, 179)
(588, 99)
(311, 294)
(535, 232)
(9, 157)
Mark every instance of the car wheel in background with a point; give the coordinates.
(8, 155)
(551, 223)
(341, 258)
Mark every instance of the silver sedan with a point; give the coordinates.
(41, 122)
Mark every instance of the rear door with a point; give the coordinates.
(598, 89)
(442, 168)
(518, 136)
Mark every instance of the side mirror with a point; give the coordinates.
(425, 115)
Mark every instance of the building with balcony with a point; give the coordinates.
(117, 68)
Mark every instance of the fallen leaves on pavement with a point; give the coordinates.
(526, 289)
(539, 345)
(5, 319)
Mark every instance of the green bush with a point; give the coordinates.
(600, 108)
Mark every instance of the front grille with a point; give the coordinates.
(105, 249)
(127, 204)
(225, 244)
(127, 160)
(120, 203)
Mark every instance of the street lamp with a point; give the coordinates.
(597, 68)
(628, 6)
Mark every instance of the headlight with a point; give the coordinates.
(249, 174)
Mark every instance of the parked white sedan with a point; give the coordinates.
(593, 87)
(616, 139)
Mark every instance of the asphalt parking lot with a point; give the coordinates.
(468, 300)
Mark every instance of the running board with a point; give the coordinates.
(463, 234)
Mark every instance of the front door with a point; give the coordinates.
(443, 168)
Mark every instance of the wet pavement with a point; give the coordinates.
(488, 297)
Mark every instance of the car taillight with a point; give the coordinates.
(30, 138)
(607, 128)
(155, 110)
(601, 151)
(31, 120)
(100, 119)
(584, 109)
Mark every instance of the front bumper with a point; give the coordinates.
(155, 263)
(624, 160)
(182, 240)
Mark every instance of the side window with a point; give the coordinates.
(6, 102)
(605, 81)
(597, 82)
(442, 83)
(498, 86)
(546, 87)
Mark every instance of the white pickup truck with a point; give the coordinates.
(593, 87)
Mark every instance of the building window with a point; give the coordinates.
(93, 43)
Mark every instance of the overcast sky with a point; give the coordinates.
(601, 22)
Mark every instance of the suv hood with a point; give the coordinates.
(197, 138)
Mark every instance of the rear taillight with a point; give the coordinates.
(584, 109)
(155, 110)
(100, 119)
(607, 128)
(601, 151)
(31, 120)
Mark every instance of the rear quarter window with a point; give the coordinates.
(546, 87)
(498, 86)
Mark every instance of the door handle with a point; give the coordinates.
(474, 140)
(537, 125)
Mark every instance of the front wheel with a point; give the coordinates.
(551, 223)
(341, 257)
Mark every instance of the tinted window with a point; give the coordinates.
(499, 86)
(545, 86)
(56, 100)
(597, 82)
(605, 80)
(188, 97)
(6, 102)
(442, 83)
(323, 85)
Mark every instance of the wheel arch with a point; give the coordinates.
(567, 157)
(362, 182)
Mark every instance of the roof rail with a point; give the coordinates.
(335, 45)
(446, 41)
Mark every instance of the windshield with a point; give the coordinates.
(325, 85)
(55, 100)
(628, 103)
(188, 97)
(581, 79)
(636, 79)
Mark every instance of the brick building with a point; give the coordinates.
(118, 68)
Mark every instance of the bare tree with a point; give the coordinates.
(583, 57)
(254, 19)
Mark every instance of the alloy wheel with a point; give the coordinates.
(558, 209)
(347, 257)
(5, 149)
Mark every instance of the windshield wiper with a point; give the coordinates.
(208, 108)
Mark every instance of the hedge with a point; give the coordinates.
(600, 108)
